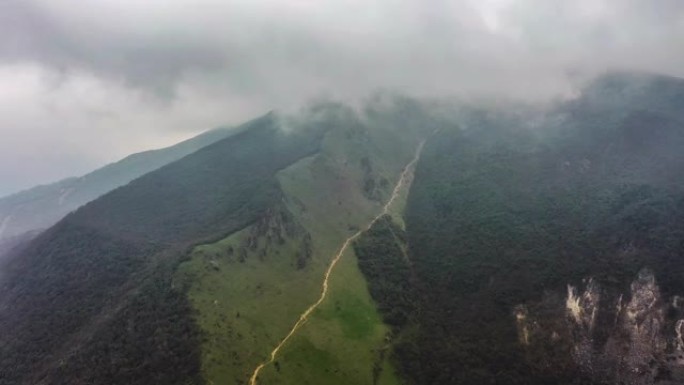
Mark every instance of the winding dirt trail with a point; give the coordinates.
(324, 292)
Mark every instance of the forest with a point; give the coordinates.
(501, 214)
(92, 297)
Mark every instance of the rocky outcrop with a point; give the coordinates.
(630, 338)
(273, 230)
(581, 311)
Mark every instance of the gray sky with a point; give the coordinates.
(83, 83)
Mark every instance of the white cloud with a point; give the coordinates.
(54, 125)
(82, 83)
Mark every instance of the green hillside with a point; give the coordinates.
(383, 245)
(193, 273)
(94, 293)
(250, 288)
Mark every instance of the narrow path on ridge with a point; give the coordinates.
(324, 292)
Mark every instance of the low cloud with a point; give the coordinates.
(84, 83)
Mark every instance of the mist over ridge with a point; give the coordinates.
(140, 76)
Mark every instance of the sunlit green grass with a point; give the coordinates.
(245, 308)
(342, 341)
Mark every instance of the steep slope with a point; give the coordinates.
(90, 300)
(532, 248)
(546, 253)
(194, 272)
(41, 207)
(250, 289)
(343, 325)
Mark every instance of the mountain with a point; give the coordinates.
(397, 242)
(41, 207)
(546, 250)
(126, 288)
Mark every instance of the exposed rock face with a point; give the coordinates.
(634, 338)
(521, 314)
(643, 320)
(273, 229)
(582, 310)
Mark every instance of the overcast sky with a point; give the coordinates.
(83, 83)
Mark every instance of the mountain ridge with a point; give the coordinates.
(42, 206)
(89, 258)
(530, 247)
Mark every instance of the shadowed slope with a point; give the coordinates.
(42, 206)
(101, 276)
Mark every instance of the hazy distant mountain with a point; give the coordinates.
(42, 206)
(15, 243)
(527, 247)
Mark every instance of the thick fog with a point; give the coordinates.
(85, 83)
